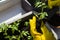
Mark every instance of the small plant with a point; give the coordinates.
(42, 14)
(10, 30)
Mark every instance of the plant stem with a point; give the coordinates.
(42, 9)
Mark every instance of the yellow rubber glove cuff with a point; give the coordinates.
(53, 3)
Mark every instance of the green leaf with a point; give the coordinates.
(46, 14)
(37, 4)
(14, 37)
(0, 30)
(26, 23)
(43, 15)
(10, 26)
(25, 33)
(18, 37)
(15, 28)
(4, 27)
(5, 33)
(30, 38)
(43, 4)
(7, 36)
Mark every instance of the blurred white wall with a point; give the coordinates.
(4, 4)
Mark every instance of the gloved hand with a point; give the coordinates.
(52, 3)
(47, 35)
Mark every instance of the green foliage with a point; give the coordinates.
(42, 14)
(24, 33)
(14, 27)
(39, 5)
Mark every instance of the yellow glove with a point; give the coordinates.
(47, 35)
(53, 3)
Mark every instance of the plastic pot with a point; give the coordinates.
(26, 5)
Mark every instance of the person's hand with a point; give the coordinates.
(45, 35)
